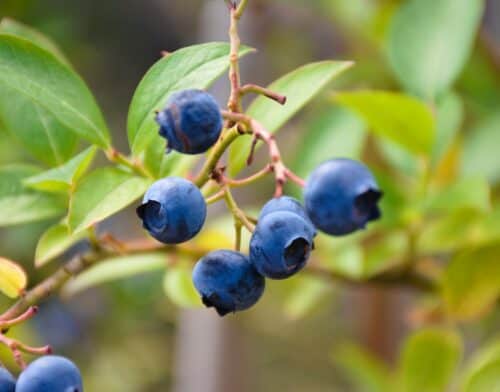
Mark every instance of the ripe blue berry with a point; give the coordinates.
(341, 196)
(191, 122)
(281, 244)
(50, 374)
(227, 281)
(7, 381)
(283, 203)
(173, 210)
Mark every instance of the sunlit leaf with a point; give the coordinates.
(62, 178)
(102, 193)
(13, 279)
(308, 293)
(429, 359)
(54, 241)
(471, 283)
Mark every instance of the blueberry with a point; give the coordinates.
(341, 196)
(173, 210)
(281, 244)
(191, 122)
(7, 381)
(50, 374)
(227, 281)
(283, 203)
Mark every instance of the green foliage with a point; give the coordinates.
(115, 269)
(429, 360)
(38, 88)
(102, 193)
(429, 42)
(480, 149)
(54, 241)
(333, 133)
(397, 117)
(179, 288)
(64, 177)
(483, 370)
(21, 205)
(471, 283)
(364, 371)
(299, 86)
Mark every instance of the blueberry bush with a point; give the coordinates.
(408, 198)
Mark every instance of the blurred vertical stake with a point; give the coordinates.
(209, 354)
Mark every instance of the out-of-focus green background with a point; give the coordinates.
(126, 335)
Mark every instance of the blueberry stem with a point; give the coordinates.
(250, 179)
(15, 346)
(216, 197)
(256, 89)
(234, 102)
(135, 165)
(29, 313)
(237, 235)
(238, 214)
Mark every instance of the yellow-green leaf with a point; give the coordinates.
(179, 287)
(13, 279)
(400, 118)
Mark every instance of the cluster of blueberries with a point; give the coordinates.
(341, 196)
(50, 373)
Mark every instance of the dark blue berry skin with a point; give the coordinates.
(283, 203)
(191, 122)
(341, 196)
(173, 210)
(227, 281)
(50, 374)
(281, 244)
(7, 381)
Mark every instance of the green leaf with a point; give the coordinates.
(345, 255)
(483, 370)
(35, 129)
(21, 205)
(13, 279)
(161, 164)
(336, 132)
(467, 193)
(192, 67)
(55, 241)
(62, 178)
(299, 86)
(473, 227)
(307, 294)
(449, 118)
(430, 41)
(364, 371)
(42, 87)
(102, 193)
(14, 27)
(115, 269)
(397, 117)
(480, 150)
(429, 360)
(179, 287)
(471, 282)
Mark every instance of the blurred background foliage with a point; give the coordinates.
(420, 106)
